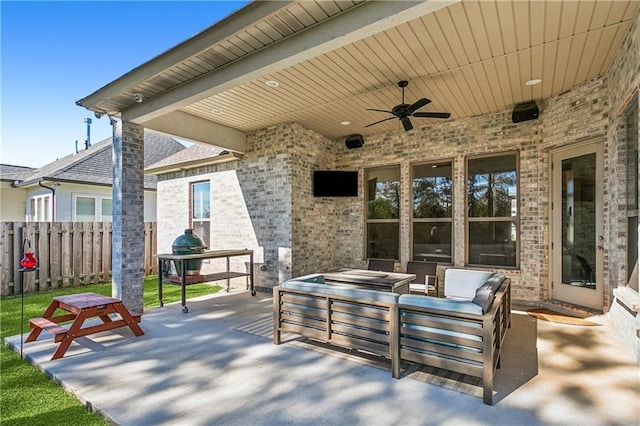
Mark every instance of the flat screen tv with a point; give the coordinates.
(332, 183)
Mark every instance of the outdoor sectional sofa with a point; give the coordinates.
(462, 332)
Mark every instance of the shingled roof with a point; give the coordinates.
(9, 173)
(93, 166)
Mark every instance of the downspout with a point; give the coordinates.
(53, 200)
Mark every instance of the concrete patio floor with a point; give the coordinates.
(216, 365)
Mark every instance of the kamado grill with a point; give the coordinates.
(188, 243)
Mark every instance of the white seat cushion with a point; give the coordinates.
(420, 288)
(461, 284)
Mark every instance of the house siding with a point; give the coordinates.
(13, 206)
(64, 199)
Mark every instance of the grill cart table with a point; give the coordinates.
(81, 307)
(164, 261)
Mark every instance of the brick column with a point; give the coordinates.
(128, 214)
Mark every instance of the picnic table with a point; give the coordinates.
(79, 308)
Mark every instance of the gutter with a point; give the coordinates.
(53, 200)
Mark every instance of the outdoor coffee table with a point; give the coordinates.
(372, 280)
(81, 307)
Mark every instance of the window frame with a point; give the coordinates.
(510, 219)
(368, 221)
(450, 220)
(97, 203)
(38, 203)
(205, 238)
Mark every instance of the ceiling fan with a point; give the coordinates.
(404, 111)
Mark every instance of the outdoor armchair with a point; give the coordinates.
(426, 277)
(385, 265)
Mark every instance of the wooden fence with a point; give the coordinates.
(69, 254)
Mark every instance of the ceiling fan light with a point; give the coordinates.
(403, 111)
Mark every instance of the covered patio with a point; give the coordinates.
(218, 365)
(283, 87)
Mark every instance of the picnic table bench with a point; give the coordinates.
(81, 307)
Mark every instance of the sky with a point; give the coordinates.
(55, 53)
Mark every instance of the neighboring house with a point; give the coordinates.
(546, 194)
(13, 200)
(78, 187)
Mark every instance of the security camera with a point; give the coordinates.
(138, 97)
(98, 114)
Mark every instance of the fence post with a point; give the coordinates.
(7, 270)
(55, 255)
(43, 254)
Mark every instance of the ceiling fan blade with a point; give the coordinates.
(377, 122)
(406, 123)
(432, 114)
(379, 110)
(418, 104)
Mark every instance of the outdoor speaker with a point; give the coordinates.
(354, 141)
(525, 111)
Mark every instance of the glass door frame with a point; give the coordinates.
(576, 295)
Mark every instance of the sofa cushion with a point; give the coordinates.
(486, 292)
(407, 301)
(342, 291)
(495, 281)
(461, 284)
(439, 303)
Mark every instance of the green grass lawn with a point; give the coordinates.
(28, 397)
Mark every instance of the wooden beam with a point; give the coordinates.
(188, 126)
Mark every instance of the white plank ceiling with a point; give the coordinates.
(471, 58)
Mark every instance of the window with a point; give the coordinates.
(383, 212)
(200, 210)
(41, 208)
(107, 209)
(432, 188)
(631, 136)
(85, 209)
(492, 210)
(91, 208)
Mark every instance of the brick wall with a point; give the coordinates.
(623, 79)
(623, 82)
(455, 140)
(250, 205)
(300, 234)
(269, 205)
